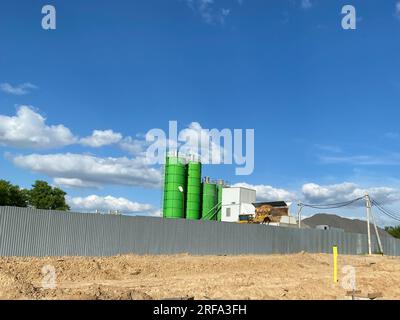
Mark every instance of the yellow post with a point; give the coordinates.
(335, 255)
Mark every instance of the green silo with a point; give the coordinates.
(220, 186)
(174, 183)
(193, 194)
(210, 198)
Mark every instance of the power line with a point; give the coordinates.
(332, 205)
(386, 212)
(389, 212)
(394, 213)
(369, 203)
(389, 215)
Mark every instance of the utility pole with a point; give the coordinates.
(376, 228)
(368, 207)
(299, 207)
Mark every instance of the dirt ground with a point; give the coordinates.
(298, 276)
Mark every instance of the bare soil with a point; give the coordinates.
(298, 276)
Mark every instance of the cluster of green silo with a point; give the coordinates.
(186, 196)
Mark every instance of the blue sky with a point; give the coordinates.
(323, 101)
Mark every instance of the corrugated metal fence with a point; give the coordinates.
(30, 232)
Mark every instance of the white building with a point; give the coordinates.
(237, 201)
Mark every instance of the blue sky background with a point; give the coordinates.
(323, 101)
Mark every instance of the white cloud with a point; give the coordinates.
(109, 203)
(208, 11)
(392, 135)
(18, 90)
(306, 4)
(387, 159)
(133, 146)
(84, 170)
(74, 183)
(156, 213)
(269, 193)
(335, 193)
(210, 146)
(329, 148)
(225, 12)
(312, 193)
(397, 9)
(199, 142)
(101, 138)
(28, 129)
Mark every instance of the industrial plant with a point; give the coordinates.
(188, 195)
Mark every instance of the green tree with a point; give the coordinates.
(12, 195)
(43, 196)
(394, 231)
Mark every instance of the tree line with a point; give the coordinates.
(40, 196)
(393, 231)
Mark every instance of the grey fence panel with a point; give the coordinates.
(391, 246)
(387, 246)
(125, 237)
(395, 248)
(30, 232)
(347, 242)
(314, 239)
(361, 244)
(340, 237)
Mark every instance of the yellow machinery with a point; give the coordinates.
(263, 215)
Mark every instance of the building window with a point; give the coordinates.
(228, 212)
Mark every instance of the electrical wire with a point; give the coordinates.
(381, 207)
(385, 211)
(390, 213)
(394, 213)
(332, 205)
